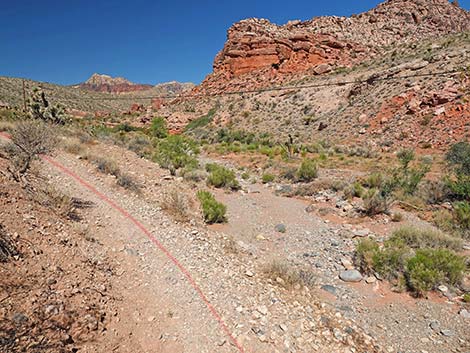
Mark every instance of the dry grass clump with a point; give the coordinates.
(288, 276)
(177, 205)
(73, 147)
(61, 204)
(128, 182)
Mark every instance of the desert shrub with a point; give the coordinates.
(158, 128)
(432, 267)
(366, 251)
(353, 190)
(458, 158)
(466, 298)
(191, 173)
(106, 166)
(29, 140)
(376, 202)
(444, 220)
(72, 147)
(307, 171)
(128, 182)
(57, 201)
(425, 238)
(373, 181)
(459, 186)
(221, 177)
(390, 262)
(462, 214)
(433, 192)
(213, 211)
(245, 176)
(139, 144)
(405, 157)
(177, 205)
(267, 178)
(175, 152)
(202, 121)
(287, 275)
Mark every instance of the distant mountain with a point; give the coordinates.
(108, 84)
(105, 83)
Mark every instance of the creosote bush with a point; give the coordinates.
(421, 259)
(221, 177)
(289, 276)
(213, 211)
(158, 128)
(267, 178)
(432, 267)
(175, 152)
(307, 171)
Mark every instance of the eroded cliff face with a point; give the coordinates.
(258, 53)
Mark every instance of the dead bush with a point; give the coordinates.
(61, 204)
(29, 140)
(289, 276)
(177, 205)
(128, 182)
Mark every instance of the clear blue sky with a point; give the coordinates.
(146, 41)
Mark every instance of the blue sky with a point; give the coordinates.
(146, 41)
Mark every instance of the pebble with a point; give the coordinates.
(361, 233)
(249, 273)
(371, 279)
(281, 228)
(447, 333)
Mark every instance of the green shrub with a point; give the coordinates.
(462, 214)
(374, 180)
(366, 251)
(458, 158)
(432, 267)
(158, 128)
(354, 190)
(213, 211)
(267, 178)
(307, 171)
(459, 186)
(202, 121)
(466, 298)
(175, 152)
(417, 238)
(221, 177)
(245, 176)
(390, 262)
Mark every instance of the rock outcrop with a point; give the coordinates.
(258, 52)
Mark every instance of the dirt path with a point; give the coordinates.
(161, 311)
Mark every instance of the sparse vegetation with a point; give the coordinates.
(421, 259)
(213, 211)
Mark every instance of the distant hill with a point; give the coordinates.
(79, 97)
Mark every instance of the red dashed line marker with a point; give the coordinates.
(152, 238)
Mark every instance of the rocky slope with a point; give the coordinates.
(259, 52)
